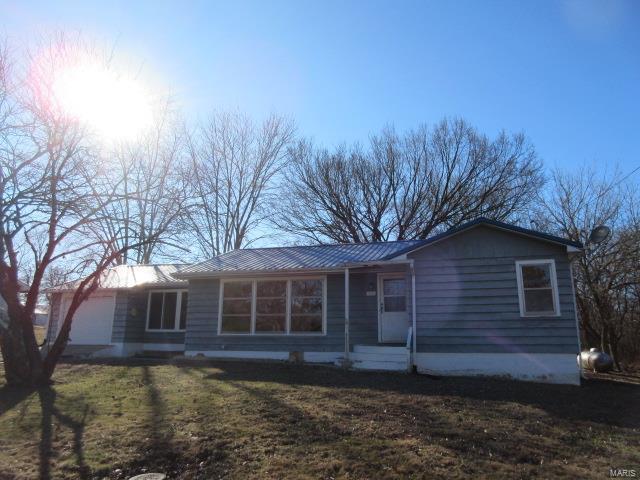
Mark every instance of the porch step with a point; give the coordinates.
(379, 349)
(380, 365)
(379, 357)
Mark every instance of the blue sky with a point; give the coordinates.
(567, 73)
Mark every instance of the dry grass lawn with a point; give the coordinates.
(270, 420)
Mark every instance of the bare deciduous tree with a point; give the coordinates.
(407, 186)
(152, 191)
(54, 190)
(607, 275)
(233, 162)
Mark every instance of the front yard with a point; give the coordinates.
(263, 420)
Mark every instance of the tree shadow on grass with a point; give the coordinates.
(51, 412)
(298, 439)
(11, 397)
(159, 450)
(607, 403)
(437, 412)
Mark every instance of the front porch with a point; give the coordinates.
(393, 299)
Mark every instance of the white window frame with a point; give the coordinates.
(554, 287)
(178, 308)
(254, 291)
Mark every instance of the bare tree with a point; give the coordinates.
(233, 162)
(54, 189)
(152, 191)
(607, 274)
(407, 186)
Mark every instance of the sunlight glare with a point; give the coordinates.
(115, 106)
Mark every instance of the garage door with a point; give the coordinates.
(93, 321)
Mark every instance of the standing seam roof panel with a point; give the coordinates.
(300, 258)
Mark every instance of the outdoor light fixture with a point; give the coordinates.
(599, 234)
(371, 290)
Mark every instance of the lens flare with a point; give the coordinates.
(114, 105)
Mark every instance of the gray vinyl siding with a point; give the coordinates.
(129, 323)
(126, 326)
(202, 320)
(467, 296)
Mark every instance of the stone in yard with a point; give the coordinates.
(149, 476)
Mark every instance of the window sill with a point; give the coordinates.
(538, 315)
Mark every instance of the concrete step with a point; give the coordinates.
(378, 349)
(379, 357)
(376, 365)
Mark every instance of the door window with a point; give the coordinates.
(394, 295)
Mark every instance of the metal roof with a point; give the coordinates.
(289, 259)
(329, 257)
(313, 257)
(132, 276)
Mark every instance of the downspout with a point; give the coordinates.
(346, 318)
(413, 314)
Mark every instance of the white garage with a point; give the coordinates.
(93, 321)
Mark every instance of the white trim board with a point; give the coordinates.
(536, 367)
(309, 357)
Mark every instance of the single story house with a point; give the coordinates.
(485, 298)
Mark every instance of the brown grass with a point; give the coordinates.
(269, 420)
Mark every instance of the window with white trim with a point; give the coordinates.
(537, 288)
(272, 306)
(167, 310)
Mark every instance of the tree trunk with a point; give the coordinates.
(22, 366)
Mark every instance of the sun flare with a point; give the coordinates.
(116, 106)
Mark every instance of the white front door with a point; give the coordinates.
(93, 321)
(392, 308)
